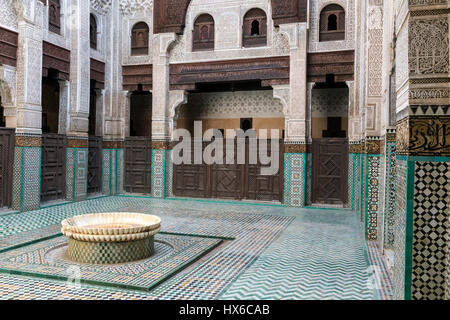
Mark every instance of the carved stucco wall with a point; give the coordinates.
(8, 15)
(350, 31)
(132, 12)
(223, 105)
(329, 103)
(228, 17)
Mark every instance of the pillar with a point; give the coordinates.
(421, 239)
(27, 154)
(162, 120)
(295, 157)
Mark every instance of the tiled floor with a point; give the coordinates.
(270, 252)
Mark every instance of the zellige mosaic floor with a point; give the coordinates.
(265, 252)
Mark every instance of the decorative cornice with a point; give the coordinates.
(77, 142)
(113, 144)
(28, 141)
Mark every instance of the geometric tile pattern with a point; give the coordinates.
(169, 174)
(47, 259)
(294, 179)
(400, 232)
(113, 171)
(120, 170)
(381, 198)
(380, 272)
(110, 252)
(310, 263)
(158, 173)
(308, 178)
(351, 180)
(27, 178)
(430, 228)
(372, 196)
(253, 228)
(76, 174)
(106, 172)
(390, 194)
(253, 244)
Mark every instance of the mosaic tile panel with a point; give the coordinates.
(158, 173)
(80, 175)
(120, 170)
(372, 196)
(48, 259)
(113, 172)
(17, 180)
(308, 178)
(400, 232)
(106, 171)
(70, 173)
(31, 184)
(430, 228)
(390, 195)
(351, 181)
(294, 180)
(381, 211)
(169, 174)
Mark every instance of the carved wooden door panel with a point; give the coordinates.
(95, 165)
(329, 171)
(7, 143)
(264, 187)
(53, 173)
(138, 165)
(227, 180)
(191, 180)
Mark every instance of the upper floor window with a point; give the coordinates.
(54, 16)
(139, 39)
(332, 23)
(255, 28)
(203, 34)
(93, 32)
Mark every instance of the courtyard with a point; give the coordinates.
(206, 250)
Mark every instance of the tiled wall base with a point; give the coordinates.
(372, 195)
(26, 178)
(76, 174)
(169, 174)
(159, 173)
(422, 228)
(294, 179)
(112, 171)
(390, 187)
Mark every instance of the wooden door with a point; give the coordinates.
(229, 181)
(261, 187)
(7, 137)
(95, 165)
(53, 169)
(138, 165)
(329, 171)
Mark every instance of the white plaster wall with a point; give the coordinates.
(228, 17)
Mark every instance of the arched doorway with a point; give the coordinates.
(138, 146)
(329, 130)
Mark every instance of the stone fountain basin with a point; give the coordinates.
(110, 238)
(111, 224)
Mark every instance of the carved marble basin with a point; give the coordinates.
(110, 238)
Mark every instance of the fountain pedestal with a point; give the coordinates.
(111, 238)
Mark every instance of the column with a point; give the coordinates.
(421, 246)
(27, 157)
(162, 122)
(296, 129)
